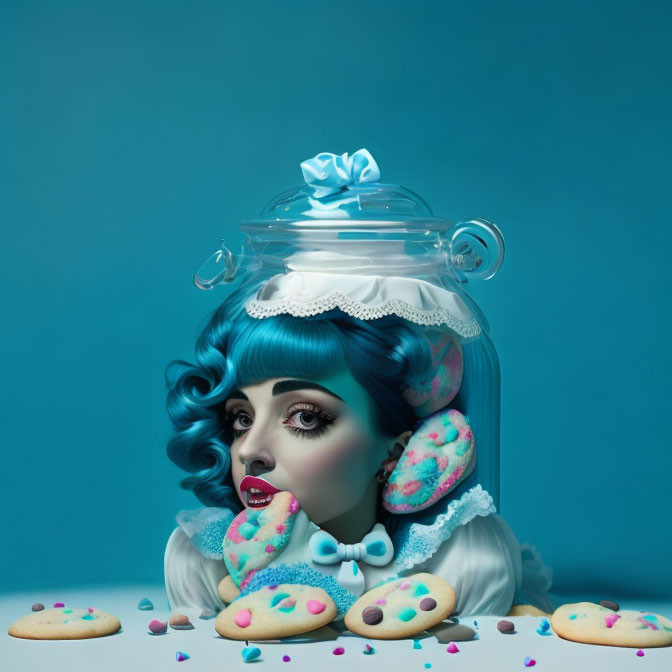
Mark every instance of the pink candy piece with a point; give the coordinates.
(270, 549)
(286, 659)
(404, 585)
(338, 651)
(58, 605)
(381, 601)
(315, 606)
(243, 618)
(452, 648)
(158, 626)
(91, 610)
(640, 653)
(530, 662)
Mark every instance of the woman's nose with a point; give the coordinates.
(255, 455)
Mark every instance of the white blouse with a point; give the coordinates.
(469, 546)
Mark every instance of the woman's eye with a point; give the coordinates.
(309, 422)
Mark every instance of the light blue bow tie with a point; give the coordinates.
(374, 549)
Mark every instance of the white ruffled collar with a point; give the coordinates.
(415, 538)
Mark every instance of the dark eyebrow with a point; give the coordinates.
(290, 385)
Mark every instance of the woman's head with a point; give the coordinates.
(240, 410)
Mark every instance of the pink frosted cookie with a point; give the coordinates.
(430, 395)
(439, 455)
(274, 612)
(257, 536)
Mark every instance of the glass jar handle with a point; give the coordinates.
(475, 248)
(221, 267)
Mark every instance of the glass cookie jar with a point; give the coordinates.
(346, 240)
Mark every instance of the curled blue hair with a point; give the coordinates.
(235, 349)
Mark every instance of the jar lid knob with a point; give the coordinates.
(329, 173)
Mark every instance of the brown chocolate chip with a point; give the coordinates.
(372, 615)
(38, 607)
(610, 604)
(428, 604)
(507, 627)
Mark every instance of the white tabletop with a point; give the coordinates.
(133, 648)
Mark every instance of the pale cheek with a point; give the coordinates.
(336, 475)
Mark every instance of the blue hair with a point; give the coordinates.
(235, 349)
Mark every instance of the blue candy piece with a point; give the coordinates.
(251, 653)
(543, 628)
(145, 604)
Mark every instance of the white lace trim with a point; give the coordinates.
(304, 294)
(422, 541)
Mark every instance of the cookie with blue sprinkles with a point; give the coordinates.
(65, 623)
(402, 607)
(276, 612)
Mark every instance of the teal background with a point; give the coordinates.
(134, 135)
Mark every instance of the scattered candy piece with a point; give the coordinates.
(91, 610)
(37, 606)
(475, 624)
(145, 604)
(158, 627)
(286, 658)
(640, 653)
(530, 662)
(180, 622)
(180, 656)
(416, 644)
(610, 604)
(448, 631)
(58, 605)
(507, 627)
(251, 653)
(427, 665)
(544, 627)
(452, 648)
(368, 650)
(207, 613)
(338, 651)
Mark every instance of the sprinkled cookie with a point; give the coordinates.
(526, 610)
(274, 612)
(593, 624)
(257, 536)
(439, 456)
(401, 607)
(65, 623)
(228, 590)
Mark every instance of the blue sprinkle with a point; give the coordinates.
(145, 604)
(416, 644)
(476, 623)
(544, 627)
(427, 665)
(251, 653)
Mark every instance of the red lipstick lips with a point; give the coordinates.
(259, 492)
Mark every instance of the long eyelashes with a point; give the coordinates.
(304, 409)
